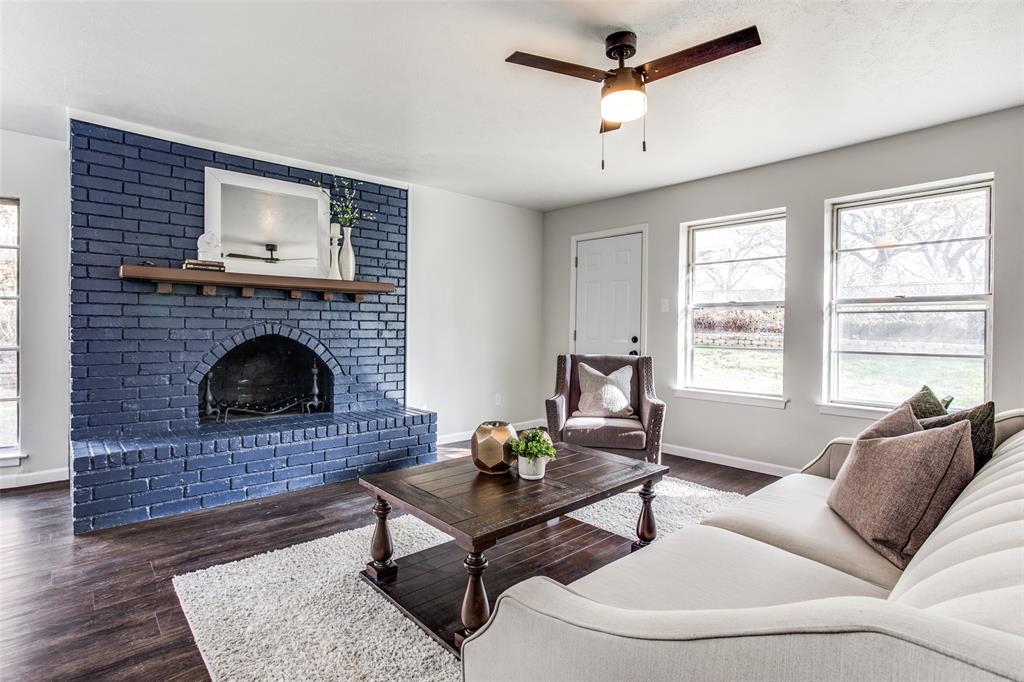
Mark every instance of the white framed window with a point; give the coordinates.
(9, 317)
(909, 295)
(734, 292)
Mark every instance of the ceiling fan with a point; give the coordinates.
(623, 90)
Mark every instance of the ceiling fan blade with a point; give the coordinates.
(244, 255)
(564, 68)
(700, 54)
(609, 126)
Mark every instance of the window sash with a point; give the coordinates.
(982, 301)
(691, 306)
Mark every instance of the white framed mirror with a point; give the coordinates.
(265, 226)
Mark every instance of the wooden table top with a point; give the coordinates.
(477, 509)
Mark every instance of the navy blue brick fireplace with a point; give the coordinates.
(141, 361)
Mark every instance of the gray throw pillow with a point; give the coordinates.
(926, 404)
(604, 396)
(983, 429)
(900, 479)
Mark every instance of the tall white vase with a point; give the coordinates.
(347, 257)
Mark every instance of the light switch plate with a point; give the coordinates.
(664, 305)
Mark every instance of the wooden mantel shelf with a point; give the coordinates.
(209, 281)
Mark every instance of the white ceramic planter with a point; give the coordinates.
(532, 470)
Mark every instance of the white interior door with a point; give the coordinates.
(609, 299)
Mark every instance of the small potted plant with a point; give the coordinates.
(533, 449)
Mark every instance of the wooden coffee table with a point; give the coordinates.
(520, 519)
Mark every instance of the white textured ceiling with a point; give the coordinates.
(420, 92)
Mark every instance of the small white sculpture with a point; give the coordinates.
(209, 247)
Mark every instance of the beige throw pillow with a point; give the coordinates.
(900, 479)
(604, 396)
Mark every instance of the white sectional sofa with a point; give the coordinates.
(778, 587)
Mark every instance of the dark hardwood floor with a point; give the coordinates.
(101, 606)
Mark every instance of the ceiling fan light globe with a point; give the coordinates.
(624, 105)
(623, 97)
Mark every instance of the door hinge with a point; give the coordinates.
(576, 261)
(573, 334)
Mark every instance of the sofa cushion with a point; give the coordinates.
(983, 429)
(701, 567)
(605, 364)
(972, 565)
(604, 395)
(926, 404)
(899, 480)
(605, 432)
(792, 514)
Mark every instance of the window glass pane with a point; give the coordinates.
(8, 272)
(952, 332)
(947, 269)
(891, 379)
(9, 374)
(751, 240)
(943, 216)
(8, 222)
(738, 327)
(8, 424)
(8, 323)
(745, 281)
(739, 370)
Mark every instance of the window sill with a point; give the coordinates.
(773, 402)
(12, 458)
(855, 411)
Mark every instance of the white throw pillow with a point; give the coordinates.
(604, 396)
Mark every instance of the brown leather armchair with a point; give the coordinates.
(639, 438)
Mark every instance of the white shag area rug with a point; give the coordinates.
(303, 612)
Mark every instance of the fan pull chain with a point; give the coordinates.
(602, 151)
(645, 133)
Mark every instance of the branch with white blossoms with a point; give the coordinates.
(343, 210)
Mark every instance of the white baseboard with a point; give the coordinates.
(33, 478)
(728, 460)
(445, 438)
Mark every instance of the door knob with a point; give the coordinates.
(633, 352)
(635, 339)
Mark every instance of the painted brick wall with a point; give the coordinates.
(137, 198)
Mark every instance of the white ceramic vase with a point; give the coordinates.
(347, 257)
(532, 469)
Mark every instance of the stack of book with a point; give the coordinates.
(195, 264)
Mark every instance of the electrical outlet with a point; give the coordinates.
(664, 305)
(497, 399)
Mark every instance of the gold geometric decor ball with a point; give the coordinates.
(492, 451)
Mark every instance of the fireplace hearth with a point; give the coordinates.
(268, 375)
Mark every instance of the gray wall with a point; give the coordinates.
(35, 170)
(790, 437)
(474, 295)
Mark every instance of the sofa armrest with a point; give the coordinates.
(555, 409)
(1008, 423)
(652, 410)
(828, 463)
(557, 406)
(543, 630)
(652, 416)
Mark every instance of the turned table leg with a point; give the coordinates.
(382, 568)
(646, 529)
(475, 608)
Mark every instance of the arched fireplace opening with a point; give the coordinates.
(268, 375)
